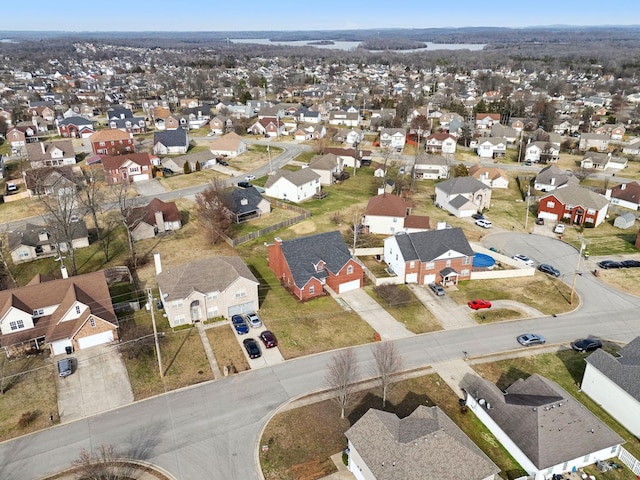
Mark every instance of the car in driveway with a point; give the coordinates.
(269, 339)
(65, 367)
(630, 263)
(239, 325)
(224, 163)
(437, 289)
(528, 339)
(607, 264)
(559, 228)
(252, 348)
(484, 223)
(524, 259)
(478, 216)
(479, 304)
(254, 320)
(549, 269)
(586, 345)
(539, 221)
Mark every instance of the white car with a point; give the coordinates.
(559, 228)
(523, 258)
(484, 223)
(248, 178)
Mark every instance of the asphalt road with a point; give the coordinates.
(211, 430)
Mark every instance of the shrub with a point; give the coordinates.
(27, 418)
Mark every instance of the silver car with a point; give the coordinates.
(254, 320)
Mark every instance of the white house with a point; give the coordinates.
(612, 382)
(625, 195)
(463, 196)
(340, 117)
(293, 186)
(441, 143)
(389, 214)
(542, 151)
(328, 166)
(491, 176)
(491, 147)
(431, 167)
(394, 138)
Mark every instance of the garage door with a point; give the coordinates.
(59, 346)
(548, 216)
(140, 178)
(429, 279)
(242, 308)
(411, 278)
(93, 340)
(345, 287)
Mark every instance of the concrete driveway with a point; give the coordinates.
(450, 314)
(148, 187)
(99, 382)
(270, 356)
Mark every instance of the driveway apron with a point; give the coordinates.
(449, 314)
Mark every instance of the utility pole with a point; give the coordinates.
(526, 217)
(155, 331)
(269, 153)
(575, 274)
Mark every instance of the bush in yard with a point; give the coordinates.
(393, 294)
(27, 418)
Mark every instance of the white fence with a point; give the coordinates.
(511, 273)
(630, 461)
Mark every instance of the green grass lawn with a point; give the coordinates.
(605, 239)
(412, 314)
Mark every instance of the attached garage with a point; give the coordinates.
(59, 347)
(411, 278)
(431, 278)
(347, 286)
(140, 178)
(242, 308)
(97, 339)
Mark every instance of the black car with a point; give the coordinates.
(477, 216)
(607, 264)
(586, 345)
(244, 184)
(269, 339)
(540, 221)
(549, 269)
(252, 348)
(630, 263)
(224, 163)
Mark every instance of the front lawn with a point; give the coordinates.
(496, 315)
(411, 312)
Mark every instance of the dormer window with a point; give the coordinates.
(38, 312)
(16, 325)
(319, 266)
(77, 309)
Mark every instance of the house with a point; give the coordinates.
(594, 141)
(133, 125)
(175, 141)
(394, 138)
(351, 157)
(155, 218)
(205, 159)
(603, 161)
(293, 186)
(425, 445)
(431, 167)
(485, 121)
(37, 241)
(305, 265)
(350, 137)
(542, 152)
(463, 196)
(112, 142)
(228, 145)
(441, 143)
(267, 126)
(612, 382)
(388, 214)
(52, 180)
(511, 135)
(491, 176)
(617, 132)
(491, 147)
(301, 135)
(75, 127)
(633, 147)
(626, 220)
(575, 205)
(551, 177)
(207, 288)
(43, 111)
(133, 167)
(18, 137)
(72, 313)
(545, 429)
(436, 256)
(248, 204)
(329, 166)
(340, 117)
(625, 195)
(51, 154)
(221, 124)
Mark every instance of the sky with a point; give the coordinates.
(250, 15)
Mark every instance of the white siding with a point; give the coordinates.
(393, 256)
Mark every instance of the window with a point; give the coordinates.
(177, 303)
(92, 322)
(77, 309)
(464, 272)
(448, 264)
(586, 459)
(429, 266)
(614, 449)
(179, 319)
(212, 312)
(241, 293)
(312, 290)
(350, 270)
(395, 219)
(23, 254)
(466, 261)
(16, 325)
(412, 264)
(551, 204)
(212, 295)
(38, 312)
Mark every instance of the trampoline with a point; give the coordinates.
(481, 260)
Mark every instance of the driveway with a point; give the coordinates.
(148, 188)
(99, 382)
(450, 315)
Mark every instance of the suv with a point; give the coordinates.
(484, 223)
(65, 367)
(437, 289)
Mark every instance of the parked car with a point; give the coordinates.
(478, 304)
(211, 134)
(248, 178)
(437, 289)
(65, 367)
(224, 163)
(478, 216)
(559, 228)
(524, 259)
(252, 348)
(254, 320)
(239, 324)
(244, 185)
(586, 345)
(540, 221)
(630, 263)
(528, 339)
(607, 264)
(549, 269)
(484, 223)
(269, 339)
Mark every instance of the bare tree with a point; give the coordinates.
(129, 215)
(104, 464)
(387, 362)
(341, 376)
(91, 197)
(213, 208)
(581, 173)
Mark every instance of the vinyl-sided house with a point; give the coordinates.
(425, 445)
(52, 180)
(248, 204)
(431, 167)
(156, 218)
(437, 256)
(305, 265)
(463, 196)
(441, 143)
(492, 147)
(168, 142)
(74, 313)
(491, 176)
(575, 205)
(329, 166)
(625, 195)
(612, 382)
(545, 429)
(603, 161)
(228, 145)
(293, 186)
(37, 241)
(551, 177)
(542, 152)
(132, 167)
(596, 141)
(394, 138)
(207, 288)
(389, 214)
(51, 154)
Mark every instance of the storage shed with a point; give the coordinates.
(626, 220)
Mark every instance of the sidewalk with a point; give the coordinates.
(208, 351)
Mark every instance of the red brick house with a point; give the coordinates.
(132, 167)
(75, 127)
(112, 142)
(575, 205)
(305, 265)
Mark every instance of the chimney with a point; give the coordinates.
(623, 186)
(156, 262)
(42, 147)
(159, 220)
(553, 180)
(63, 269)
(278, 240)
(607, 194)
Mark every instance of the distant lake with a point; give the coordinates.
(340, 45)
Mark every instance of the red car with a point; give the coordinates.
(478, 304)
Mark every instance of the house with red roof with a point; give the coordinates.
(112, 142)
(156, 218)
(387, 214)
(129, 168)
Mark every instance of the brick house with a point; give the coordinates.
(112, 142)
(133, 167)
(436, 256)
(75, 127)
(575, 205)
(305, 265)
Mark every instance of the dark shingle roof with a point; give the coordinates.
(427, 246)
(624, 370)
(245, 200)
(171, 138)
(461, 185)
(298, 177)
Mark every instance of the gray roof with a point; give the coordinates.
(546, 423)
(431, 160)
(461, 185)
(30, 234)
(623, 370)
(328, 161)
(427, 246)
(245, 200)
(546, 175)
(459, 201)
(297, 177)
(304, 253)
(426, 445)
(171, 138)
(576, 195)
(213, 274)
